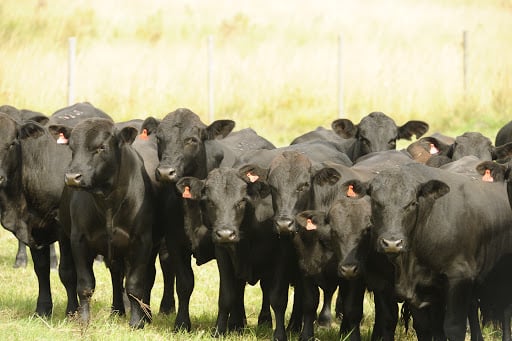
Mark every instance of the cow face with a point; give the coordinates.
(351, 234)
(377, 132)
(313, 242)
(289, 178)
(228, 200)
(181, 150)
(398, 202)
(96, 151)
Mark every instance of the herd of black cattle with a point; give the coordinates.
(340, 208)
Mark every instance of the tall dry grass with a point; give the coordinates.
(275, 64)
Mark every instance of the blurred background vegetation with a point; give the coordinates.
(275, 63)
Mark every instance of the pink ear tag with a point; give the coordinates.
(309, 225)
(144, 134)
(350, 191)
(186, 193)
(433, 149)
(487, 176)
(252, 177)
(62, 139)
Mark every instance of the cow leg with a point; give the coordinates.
(117, 276)
(352, 302)
(295, 323)
(41, 259)
(458, 300)
(310, 300)
(505, 325)
(184, 285)
(137, 286)
(325, 316)
(265, 317)
(237, 319)
(86, 282)
(67, 275)
(168, 304)
(474, 321)
(54, 262)
(21, 256)
(227, 291)
(386, 315)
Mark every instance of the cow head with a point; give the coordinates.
(313, 242)
(289, 179)
(399, 202)
(13, 203)
(228, 199)
(469, 143)
(376, 132)
(181, 140)
(96, 147)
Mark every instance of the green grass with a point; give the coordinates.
(18, 298)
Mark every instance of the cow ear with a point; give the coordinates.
(326, 176)
(433, 189)
(311, 220)
(30, 129)
(127, 135)
(491, 171)
(60, 133)
(436, 146)
(218, 129)
(35, 116)
(150, 124)
(253, 173)
(354, 189)
(344, 128)
(502, 152)
(418, 128)
(190, 188)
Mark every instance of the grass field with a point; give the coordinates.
(275, 70)
(18, 299)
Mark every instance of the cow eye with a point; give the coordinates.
(240, 204)
(303, 187)
(101, 148)
(364, 141)
(191, 141)
(392, 143)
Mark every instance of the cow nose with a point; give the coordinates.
(225, 235)
(166, 174)
(72, 179)
(285, 225)
(349, 271)
(392, 246)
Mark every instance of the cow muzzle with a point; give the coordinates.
(392, 245)
(166, 174)
(349, 271)
(73, 179)
(225, 236)
(285, 225)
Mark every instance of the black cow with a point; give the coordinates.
(111, 212)
(32, 168)
(21, 116)
(469, 143)
(188, 147)
(376, 132)
(447, 221)
(240, 213)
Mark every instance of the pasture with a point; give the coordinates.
(275, 70)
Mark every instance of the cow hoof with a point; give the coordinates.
(20, 263)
